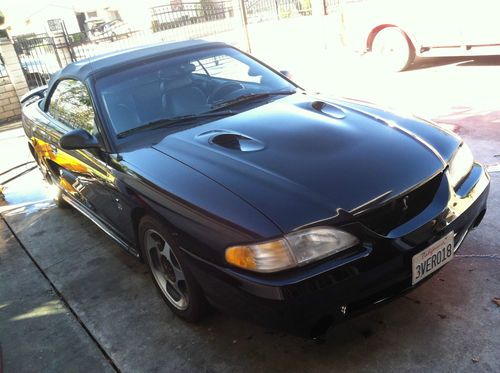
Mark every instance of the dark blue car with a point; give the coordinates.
(240, 190)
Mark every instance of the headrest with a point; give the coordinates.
(175, 83)
(176, 71)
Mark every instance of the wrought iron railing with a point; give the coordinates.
(38, 58)
(172, 16)
(265, 10)
(42, 54)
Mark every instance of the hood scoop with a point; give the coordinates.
(232, 140)
(329, 109)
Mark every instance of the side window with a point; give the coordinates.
(70, 104)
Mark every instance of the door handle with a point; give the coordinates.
(53, 148)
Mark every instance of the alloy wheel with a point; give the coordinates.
(166, 269)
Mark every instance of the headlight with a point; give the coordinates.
(460, 165)
(295, 249)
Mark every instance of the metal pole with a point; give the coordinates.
(69, 46)
(244, 21)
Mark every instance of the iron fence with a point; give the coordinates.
(81, 45)
(267, 10)
(38, 58)
(335, 6)
(203, 19)
(331, 6)
(168, 23)
(41, 55)
(166, 17)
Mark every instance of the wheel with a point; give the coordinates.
(169, 271)
(393, 49)
(55, 191)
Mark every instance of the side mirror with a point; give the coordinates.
(78, 139)
(287, 74)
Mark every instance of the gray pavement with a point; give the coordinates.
(448, 324)
(37, 331)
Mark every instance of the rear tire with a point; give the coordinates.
(58, 198)
(393, 49)
(170, 271)
(55, 190)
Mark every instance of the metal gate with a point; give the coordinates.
(41, 55)
(271, 10)
(38, 58)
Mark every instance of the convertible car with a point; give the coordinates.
(242, 191)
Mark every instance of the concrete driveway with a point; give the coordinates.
(71, 300)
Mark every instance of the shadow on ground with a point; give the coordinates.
(463, 61)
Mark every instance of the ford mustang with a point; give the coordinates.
(241, 190)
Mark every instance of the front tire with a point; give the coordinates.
(170, 272)
(393, 50)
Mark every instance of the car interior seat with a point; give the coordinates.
(179, 96)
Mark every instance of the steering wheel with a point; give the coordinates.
(223, 90)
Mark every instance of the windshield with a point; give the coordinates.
(186, 85)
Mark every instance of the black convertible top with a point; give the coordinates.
(84, 68)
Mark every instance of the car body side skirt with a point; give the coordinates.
(103, 226)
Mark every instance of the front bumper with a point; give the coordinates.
(307, 300)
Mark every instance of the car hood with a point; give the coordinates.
(298, 160)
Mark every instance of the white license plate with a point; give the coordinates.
(431, 259)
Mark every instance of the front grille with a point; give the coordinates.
(320, 282)
(400, 210)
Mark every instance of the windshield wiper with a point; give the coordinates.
(249, 97)
(167, 122)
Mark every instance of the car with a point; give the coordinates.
(397, 31)
(107, 31)
(242, 191)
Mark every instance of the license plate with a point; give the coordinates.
(431, 259)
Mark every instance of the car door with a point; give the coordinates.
(88, 175)
(82, 173)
